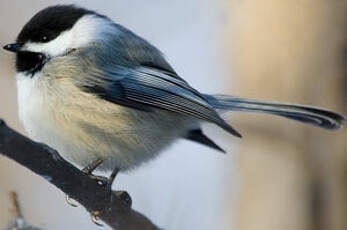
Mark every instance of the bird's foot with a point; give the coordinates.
(88, 171)
(95, 219)
(122, 195)
(102, 181)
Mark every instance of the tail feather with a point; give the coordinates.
(309, 114)
(198, 136)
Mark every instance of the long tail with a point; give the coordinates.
(304, 113)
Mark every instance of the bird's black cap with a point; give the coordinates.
(50, 22)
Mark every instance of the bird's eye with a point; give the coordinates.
(44, 38)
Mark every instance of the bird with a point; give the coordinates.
(107, 99)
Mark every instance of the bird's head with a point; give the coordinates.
(56, 31)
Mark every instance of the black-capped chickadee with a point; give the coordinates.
(104, 97)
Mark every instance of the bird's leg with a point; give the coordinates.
(88, 171)
(110, 180)
(92, 166)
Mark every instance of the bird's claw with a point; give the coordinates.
(95, 218)
(69, 201)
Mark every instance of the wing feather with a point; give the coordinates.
(139, 86)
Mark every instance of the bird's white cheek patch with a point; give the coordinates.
(56, 47)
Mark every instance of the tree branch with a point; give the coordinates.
(112, 208)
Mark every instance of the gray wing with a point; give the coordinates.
(145, 87)
(135, 74)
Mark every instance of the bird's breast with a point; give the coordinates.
(83, 127)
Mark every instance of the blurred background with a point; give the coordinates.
(281, 175)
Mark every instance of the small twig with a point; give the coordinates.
(112, 208)
(15, 209)
(18, 222)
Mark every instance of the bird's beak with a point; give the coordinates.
(14, 47)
